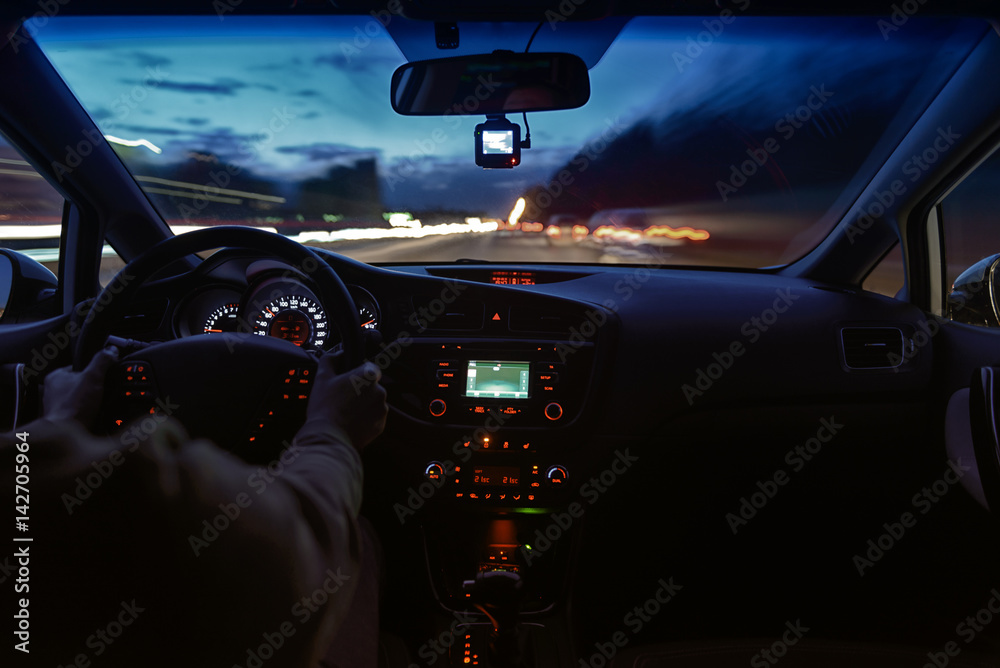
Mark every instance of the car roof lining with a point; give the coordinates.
(555, 11)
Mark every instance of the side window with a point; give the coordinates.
(970, 224)
(30, 209)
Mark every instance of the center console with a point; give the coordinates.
(490, 431)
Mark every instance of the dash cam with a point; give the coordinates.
(498, 144)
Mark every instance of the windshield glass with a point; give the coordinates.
(722, 141)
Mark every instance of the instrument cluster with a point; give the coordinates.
(278, 307)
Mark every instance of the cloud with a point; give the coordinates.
(101, 114)
(220, 87)
(369, 63)
(308, 93)
(195, 122)
(143, 59)
(321, 151)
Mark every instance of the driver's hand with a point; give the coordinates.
(77, 395)
(353, 401)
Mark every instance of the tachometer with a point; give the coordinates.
(295, 318)
(223, 319)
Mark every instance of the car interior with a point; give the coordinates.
(687, 311)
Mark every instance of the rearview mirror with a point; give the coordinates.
(973, 296)
(491, 83)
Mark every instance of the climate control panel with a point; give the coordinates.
(523, 482)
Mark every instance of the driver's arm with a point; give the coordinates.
(222, 555)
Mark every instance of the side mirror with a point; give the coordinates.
(24, 284)
(6, 282)
(973, 296)
(502, 82)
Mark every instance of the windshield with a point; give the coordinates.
(722, 141)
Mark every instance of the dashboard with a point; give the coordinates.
(522, 394)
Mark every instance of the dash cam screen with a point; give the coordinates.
(498, 142)
(497, 380)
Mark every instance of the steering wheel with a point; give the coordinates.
(247, 393)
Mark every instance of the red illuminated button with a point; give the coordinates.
(437, 408)
(553, 411)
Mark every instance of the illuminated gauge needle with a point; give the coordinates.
(365, 324)
(213, 330)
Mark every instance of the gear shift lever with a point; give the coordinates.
(498, 594)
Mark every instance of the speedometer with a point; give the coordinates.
(295, 318)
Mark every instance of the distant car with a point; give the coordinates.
(565, 228)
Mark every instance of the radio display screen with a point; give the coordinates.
(500, 476)
(492, 379)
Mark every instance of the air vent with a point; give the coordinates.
(144, 316)
(872, 347)
(460, 314)
(530, 319)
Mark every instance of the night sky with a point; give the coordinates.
(214, 86)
